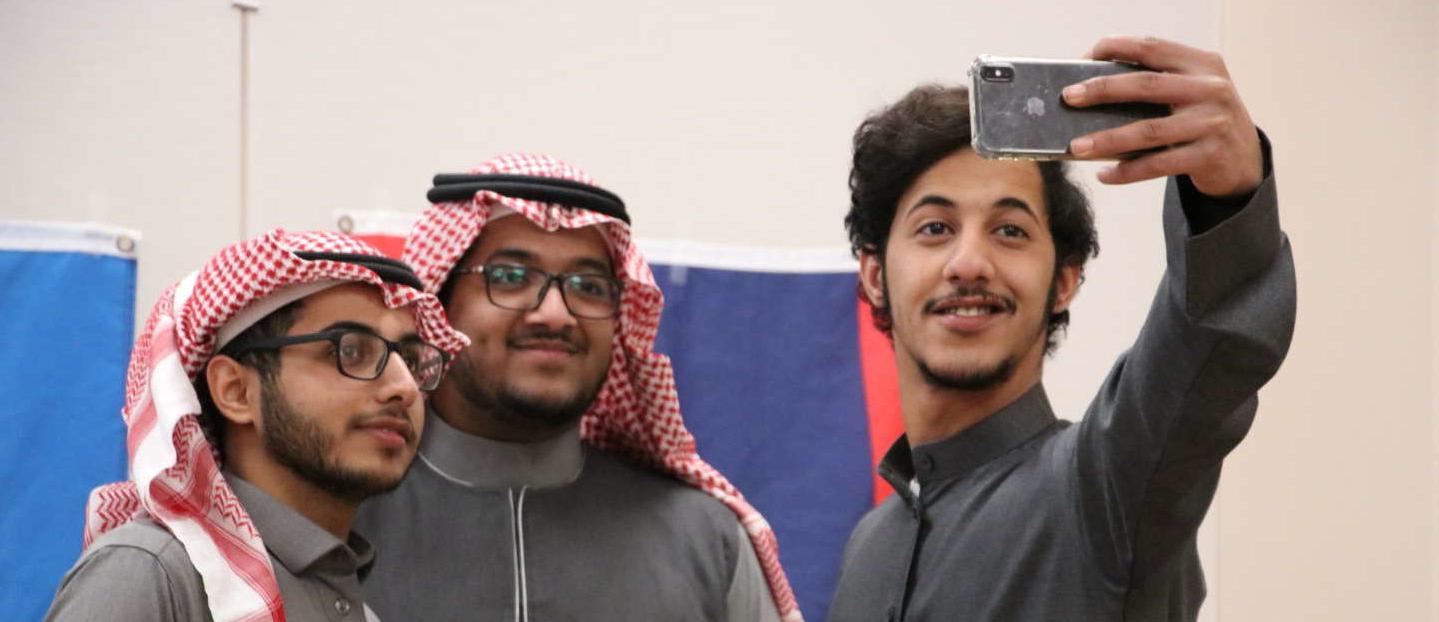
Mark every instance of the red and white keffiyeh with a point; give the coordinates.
(637, 411)
(174, 475)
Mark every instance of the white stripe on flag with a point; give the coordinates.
(824, 260)
(93, 238)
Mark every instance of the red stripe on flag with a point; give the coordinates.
(881, 393)
(388, 243)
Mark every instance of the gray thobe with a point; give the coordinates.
(1026, 517)
(554, 531)
(139, 572)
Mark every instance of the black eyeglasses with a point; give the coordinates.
(363, 355)
(522, 288)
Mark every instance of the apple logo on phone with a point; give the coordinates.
(1034, 107)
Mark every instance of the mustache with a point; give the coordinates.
(389, 416)
(987, 297)
(547, 337)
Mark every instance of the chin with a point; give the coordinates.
(968, 375)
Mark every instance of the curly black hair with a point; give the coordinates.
(895, 145)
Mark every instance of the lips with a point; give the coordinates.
(548, 345)
(969, 311)
(391, 428)
(550, 342)
(970, 304)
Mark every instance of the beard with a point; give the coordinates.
(968, 379)
(983, 378)
(516, 408)
(297, 443)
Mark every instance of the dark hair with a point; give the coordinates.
(266, 362)
(895, 145)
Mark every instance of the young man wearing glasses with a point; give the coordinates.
(556, 480)
(311, 401)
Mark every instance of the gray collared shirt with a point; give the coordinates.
(141, 572)
(1027, 517)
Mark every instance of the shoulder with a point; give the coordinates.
(139, 539)
(627, 477)
(649, 496)
(138, 571)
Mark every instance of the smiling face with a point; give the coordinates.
(352, 438)
(969, 275)
(527, 375)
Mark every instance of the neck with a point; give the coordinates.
(246, 458)
(478, 462)
(933, 413)
(463, 414)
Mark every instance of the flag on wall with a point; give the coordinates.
(787, 387)
(68, 312)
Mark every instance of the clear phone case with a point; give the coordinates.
(1016, 111)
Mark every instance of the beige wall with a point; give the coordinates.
(126, 113)
(1328, 510)
(729, 123)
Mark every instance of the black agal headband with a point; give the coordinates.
(389, 270)
(451, 187)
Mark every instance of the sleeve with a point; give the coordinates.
(119, 583)
(749, 599)
(1148, 451)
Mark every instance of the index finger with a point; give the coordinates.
(1152, 52)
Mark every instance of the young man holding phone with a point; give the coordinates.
(1003, 511)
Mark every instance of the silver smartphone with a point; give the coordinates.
(1016, 111)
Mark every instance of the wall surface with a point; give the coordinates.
(1328, 510)
(125, 113)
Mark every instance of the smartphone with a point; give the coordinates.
(1016, 111)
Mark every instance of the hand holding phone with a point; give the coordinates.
(1208, 132)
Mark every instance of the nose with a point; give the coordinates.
(552, 312)
(397, 384)
(970, 259)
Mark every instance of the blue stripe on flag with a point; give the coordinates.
(769, 380)
(68, 326)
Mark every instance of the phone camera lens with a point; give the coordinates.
(997, 73)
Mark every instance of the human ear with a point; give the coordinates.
(1066, 286)
(871, 278)
(235, 389)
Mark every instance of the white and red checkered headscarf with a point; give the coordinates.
(637, 411)
(174, 475)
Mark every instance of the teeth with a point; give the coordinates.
(968, 311)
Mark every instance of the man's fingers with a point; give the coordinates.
(1155, 53)
(1165, 163)
(1148, 134)
(1146, 86)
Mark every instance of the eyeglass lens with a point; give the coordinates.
(520, 288)
(363, 355)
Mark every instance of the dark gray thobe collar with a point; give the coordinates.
(295, 541)
(479, 462)
(970, 448)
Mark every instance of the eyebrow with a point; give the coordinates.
(366, 328)
(1002, 203)
(518, 254)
